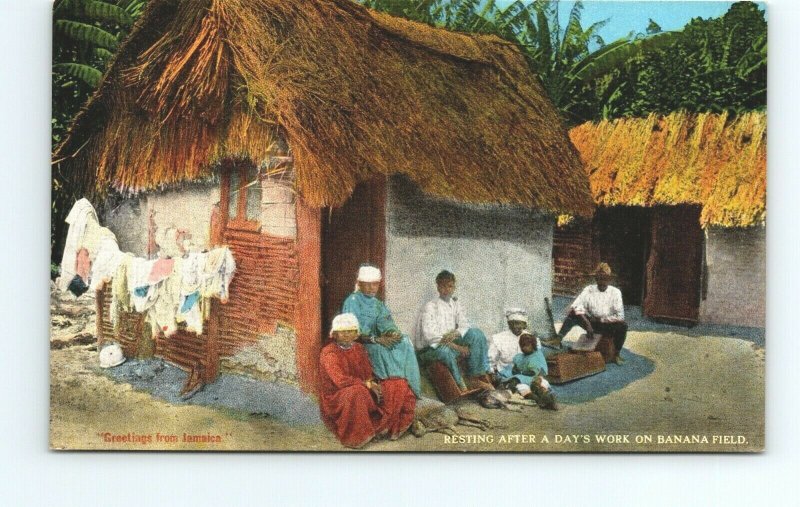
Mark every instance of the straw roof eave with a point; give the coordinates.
(712, 160)
(353, 92)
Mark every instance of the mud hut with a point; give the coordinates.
(311, 137)
(681, 215)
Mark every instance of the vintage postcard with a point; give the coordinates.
(403, 225)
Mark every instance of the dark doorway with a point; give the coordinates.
(621, 236)
(675, 265)
(352, 234)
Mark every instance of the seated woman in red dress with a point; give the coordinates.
(354, 405)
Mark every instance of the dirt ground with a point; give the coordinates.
(706, 394)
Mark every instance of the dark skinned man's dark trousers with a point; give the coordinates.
(618, 331)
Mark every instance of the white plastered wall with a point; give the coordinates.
(501, 257)
(737, 288)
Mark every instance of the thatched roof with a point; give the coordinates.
(717, 161)
(353, 92)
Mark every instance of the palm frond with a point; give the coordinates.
(86, 33)
(85, 73)
(105, 11)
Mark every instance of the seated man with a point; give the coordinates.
(390, 352)
(599, 309)
(354, 405)
(444, 334)
(505, 345)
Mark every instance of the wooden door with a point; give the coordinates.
(674, 266)
(620, 237)
(353, 234)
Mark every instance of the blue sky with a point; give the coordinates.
(633, 16)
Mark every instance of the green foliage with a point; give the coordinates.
(652, 27)
(85, 73)
(86, 34)
(711, 65)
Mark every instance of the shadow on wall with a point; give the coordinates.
(415, 214)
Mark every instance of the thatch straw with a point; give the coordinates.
(717, 161)
(354, 93)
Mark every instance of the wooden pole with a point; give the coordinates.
(211, 369)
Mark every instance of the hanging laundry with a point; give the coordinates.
(142, 293)
(169, 242)
(81, 213)
(168, 290)
(94, 237)
(162, 314)
(82, 264)
(77, 286)
(219, 270)
(189, 301)
(191, 313)
(86, 241)
(119, 283)
(105, 263)
(120, 297)
(162, 268)
(193, 272)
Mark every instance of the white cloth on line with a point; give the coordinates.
(138, 275)
(105, 263)
(193, 268)
(162, 313)
(218, 273)
(79, 216)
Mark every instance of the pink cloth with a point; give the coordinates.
(83, 264)
(162, 268)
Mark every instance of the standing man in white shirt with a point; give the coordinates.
(598, 309)
(444, 334)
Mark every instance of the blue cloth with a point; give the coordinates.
(141, 291)
(77, 286)
(374, 320)
(477, 362)
(190, 301)
(528, 366)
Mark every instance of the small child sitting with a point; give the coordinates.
(527, 373)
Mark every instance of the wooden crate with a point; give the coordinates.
(606, 347)
(600, 343)
(568, 366)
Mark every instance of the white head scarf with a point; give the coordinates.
(345, 322)
(517, 314)
(368, 273)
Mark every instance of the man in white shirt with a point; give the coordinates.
(505, 345)
(598, 309)
(444, 334)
